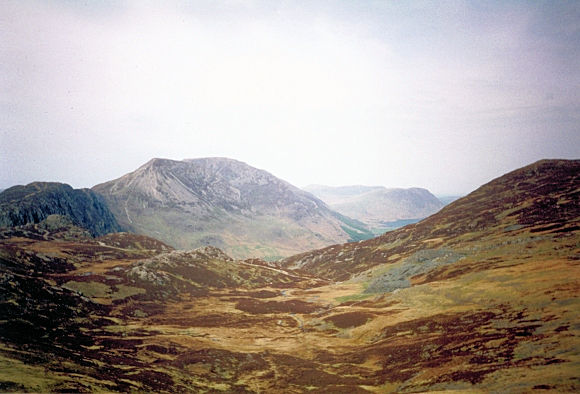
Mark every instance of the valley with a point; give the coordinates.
(381, 209)
(482, 296)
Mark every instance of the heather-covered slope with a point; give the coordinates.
(21, 205)
(123, 313)
(376, 206)
(542, 197)
(482, 295)
(225, 203)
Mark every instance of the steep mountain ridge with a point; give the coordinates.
(227, 204)
(377, 206)
(30, 204)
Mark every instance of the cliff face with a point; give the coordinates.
(21, 205)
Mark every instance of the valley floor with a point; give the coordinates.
(505, 324)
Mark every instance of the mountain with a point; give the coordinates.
(481, 297)
(380, 208)
(542, 195)
(245, 211)
(22, 205)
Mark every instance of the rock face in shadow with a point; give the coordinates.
(33, 203)
(227, 204)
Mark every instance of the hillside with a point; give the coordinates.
(480, 297)
(379, 208)
(21, 205)
(537, 198)
(245, 211)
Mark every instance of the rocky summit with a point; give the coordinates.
(225, 203)
(481, 297)
(33, 203)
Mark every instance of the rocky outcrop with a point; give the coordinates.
(35, 202)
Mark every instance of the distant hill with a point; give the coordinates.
(33, 203)
(380, 208)
(225, 203)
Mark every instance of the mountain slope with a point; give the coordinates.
(377, 206)
(543, 195)
(227, 204)
(21, 205)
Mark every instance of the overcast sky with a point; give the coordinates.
(442, 95)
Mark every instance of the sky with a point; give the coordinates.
(445, 95)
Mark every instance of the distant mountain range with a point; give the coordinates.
(225, 203)
(378, 207)
(33, 203)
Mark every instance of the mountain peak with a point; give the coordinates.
(225, 203)
(214, 160)
(158, 161)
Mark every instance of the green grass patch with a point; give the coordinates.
(124, 291)
(89, 289)
(354, 297)
(357, 230)
(355, 235)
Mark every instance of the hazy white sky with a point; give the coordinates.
(443, 95)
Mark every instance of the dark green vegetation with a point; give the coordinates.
(395, 224)
(21, 205)
(221, 202)
(379, 208)
(355, 229)
(482, 296)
